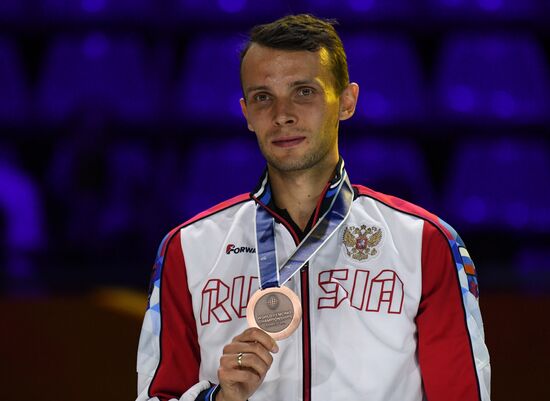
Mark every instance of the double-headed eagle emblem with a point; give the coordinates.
(361, 242)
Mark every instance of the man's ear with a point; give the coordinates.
(348, 101)
(245, 113)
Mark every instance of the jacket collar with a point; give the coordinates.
(263, 196)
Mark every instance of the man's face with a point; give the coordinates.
(292, 106)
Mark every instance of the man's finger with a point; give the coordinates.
(253, 334)
(255, 348)
(245, 361)
(236, 376)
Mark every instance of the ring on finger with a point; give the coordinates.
(240, 359)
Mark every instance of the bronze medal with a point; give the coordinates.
(275, 310)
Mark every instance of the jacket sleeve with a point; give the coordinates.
(453, 358)
(168, 358)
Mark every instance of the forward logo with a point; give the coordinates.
(231, 248)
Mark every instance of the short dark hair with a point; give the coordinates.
(304, 32)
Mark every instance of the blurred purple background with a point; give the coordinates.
(119, 119)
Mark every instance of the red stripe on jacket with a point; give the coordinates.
(178, 368)
(444, 347)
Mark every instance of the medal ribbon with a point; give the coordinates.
(328, 224)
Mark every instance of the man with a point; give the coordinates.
(387, 290)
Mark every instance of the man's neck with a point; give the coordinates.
(298, 191)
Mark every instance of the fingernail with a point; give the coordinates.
(275, 348)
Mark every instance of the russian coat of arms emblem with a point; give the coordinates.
(360, 242)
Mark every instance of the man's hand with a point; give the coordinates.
(240, 381)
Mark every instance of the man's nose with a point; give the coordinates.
(283, 113)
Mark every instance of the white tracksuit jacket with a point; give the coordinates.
(386, 317)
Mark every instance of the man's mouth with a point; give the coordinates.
(288, 142)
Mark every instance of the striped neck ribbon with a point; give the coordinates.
(270, 274)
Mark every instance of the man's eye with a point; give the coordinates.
(305, 91)
(261, 97)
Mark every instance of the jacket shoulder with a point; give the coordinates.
(220, 207)
(409, 208)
